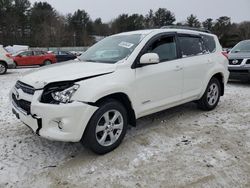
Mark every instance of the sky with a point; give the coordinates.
(238, 10)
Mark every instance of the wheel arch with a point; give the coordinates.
(124, 100)
(47, 60)
(219, 76)
(2, 61)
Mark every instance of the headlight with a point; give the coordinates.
(65, 95)
(56, 93)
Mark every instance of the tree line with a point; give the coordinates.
(40, 25)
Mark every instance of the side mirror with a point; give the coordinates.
(150, 58)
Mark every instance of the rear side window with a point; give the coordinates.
(165, 47)
(38, 53)
(191, 46)
(209, 43)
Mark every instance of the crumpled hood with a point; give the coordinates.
(239, 55)
(68, 71)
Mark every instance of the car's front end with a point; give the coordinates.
(52, 108)
(239, 68)
(55, 118)
(239, 61)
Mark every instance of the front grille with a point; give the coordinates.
(248, 61)
(235, 61)
(25, 88)
(24, 105)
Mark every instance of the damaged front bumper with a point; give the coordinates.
(63, 122)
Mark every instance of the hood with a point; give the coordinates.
(69, 71)
(239, 55)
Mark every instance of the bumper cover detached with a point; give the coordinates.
(242, 73)
(64, 122)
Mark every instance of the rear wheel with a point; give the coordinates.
(3, 68)
(211, 97)
(47, 62)
(106, 128)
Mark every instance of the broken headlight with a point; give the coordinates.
(65, 95)
(61, 93)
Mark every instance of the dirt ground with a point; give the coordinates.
(179, 147)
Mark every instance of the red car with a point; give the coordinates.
(28, 58)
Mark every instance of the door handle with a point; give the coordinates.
(178, 68)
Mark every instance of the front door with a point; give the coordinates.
(159, 85)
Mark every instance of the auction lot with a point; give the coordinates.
(179, 147)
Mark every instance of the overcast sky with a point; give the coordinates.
(238, 10)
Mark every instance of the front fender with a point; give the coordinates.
(94, 89)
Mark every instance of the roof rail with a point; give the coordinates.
(185, 27)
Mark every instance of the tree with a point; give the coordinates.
(149, 19)
(124, 22)
(13, 20)
(208, 24)
(81, 25)
(226, 31)
(42, 24)
(163, 17)
(244, 30)
(100, 28)
(192, 21)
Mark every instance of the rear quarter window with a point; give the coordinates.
(209, 43)
(191, 46)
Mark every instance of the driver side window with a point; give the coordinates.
(165, 47)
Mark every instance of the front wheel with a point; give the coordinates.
(106, 128)
(211, 97)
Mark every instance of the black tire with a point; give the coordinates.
(47, 62)
(90, 137)
(3, 68)
(204, 103)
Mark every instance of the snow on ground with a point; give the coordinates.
(179, 147)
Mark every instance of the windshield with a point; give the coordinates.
(243, 46)
(17, 53)
(112, 49)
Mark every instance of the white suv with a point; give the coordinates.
(118, 80)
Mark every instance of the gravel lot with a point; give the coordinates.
(179, 147)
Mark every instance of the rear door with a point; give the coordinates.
(195, 63)
(39, 57)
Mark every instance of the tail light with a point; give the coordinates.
(225, 54)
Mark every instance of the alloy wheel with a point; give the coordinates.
(109, 128)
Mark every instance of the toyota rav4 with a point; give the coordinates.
(118, 80)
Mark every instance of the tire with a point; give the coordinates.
(211, 97)
(3, 68)
(99, 141)
(47, 62)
